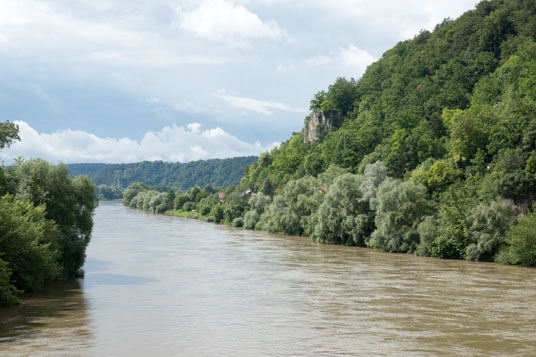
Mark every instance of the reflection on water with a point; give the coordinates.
(51, 322)
(158, 285)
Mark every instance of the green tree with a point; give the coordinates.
(401, 208)
(69, 202)
(217, 213)
(27, 243)
(8, 293)
(487, 227)
(132, 191)
(343, 216)
(9, 133)
(522, 240)
(180, 200)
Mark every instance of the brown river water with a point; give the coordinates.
(167, 286)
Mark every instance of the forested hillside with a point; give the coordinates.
(447, 104)
(217, 172)
(432, 151)
(89, 169)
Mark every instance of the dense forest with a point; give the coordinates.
(432, 151)
(217, 172)
(89, 169)
(46, 219)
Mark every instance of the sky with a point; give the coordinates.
(182, 80)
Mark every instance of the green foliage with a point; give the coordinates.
(436, 176)
(105, 192)
(259, 202)
(180, 200)
(486, 228)
(69, 202)
(28, 243)
(455, 206)
(344, 217)
(217, 213)
(8, 293)
(428, 231)
(250, 219)
(188, 206)
(9, 133)
(132, 191)
(453, 98)
(450, 116)
(46, 219)
(522, 240)
(238, 222)
(290, 213)
(216, 172)
(375, 174)
(401, 208)
(167, 202)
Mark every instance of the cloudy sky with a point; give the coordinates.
(180, 80)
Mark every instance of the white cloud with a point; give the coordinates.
(39, 31)
(221, 20)
(355, 58)
(285, 68)
(256, 105)
(172, 143)
(351, 61)
(194, 127)
(403, 19)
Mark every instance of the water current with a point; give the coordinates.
(167, 286)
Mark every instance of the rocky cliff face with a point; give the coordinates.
(321, 122)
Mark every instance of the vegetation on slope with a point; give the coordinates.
(436, 154)
(217, 172)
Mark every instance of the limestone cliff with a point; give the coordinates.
(321, 122)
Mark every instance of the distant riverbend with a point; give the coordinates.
(159, 285)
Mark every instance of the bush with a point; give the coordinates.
(217, 213)
(132, 191)
(8, 293)
(401, 208)
(488, 225)
(188, 206)
(343, 217)
(250, 219)
(205, 209)
(232, 211)
(28, 243)
(428, 231)
(522, 240)
(238, 222)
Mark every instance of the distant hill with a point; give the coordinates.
(85, 169)
(217, 172)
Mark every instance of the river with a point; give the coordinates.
(163, 286)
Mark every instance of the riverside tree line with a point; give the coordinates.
(46, 219)
(369, 209)
(435, 153)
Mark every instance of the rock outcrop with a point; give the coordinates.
(321, 122)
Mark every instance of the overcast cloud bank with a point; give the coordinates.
(172, 143)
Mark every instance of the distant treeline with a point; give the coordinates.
(217, 172)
